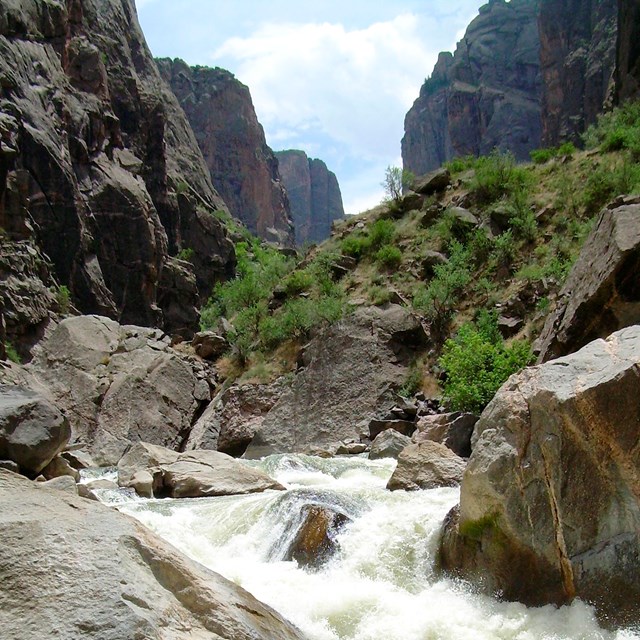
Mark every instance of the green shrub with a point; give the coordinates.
(185, 254)
(617, 130)
(476, 363)
(497, 175)
(389, 257)
(379, 295)
(540, 156)
(504, 249)
(412, 383)
(462, 163)
(396, 180)
(63, 298)
(354, 246)
(298, 282)
(605, 183)
(382, 232)
(12, 353)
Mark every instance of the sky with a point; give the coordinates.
(334, 78)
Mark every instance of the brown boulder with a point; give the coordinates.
(549, 504)
(426, 465)
(432, 182)
(601, 294)
(451, 429)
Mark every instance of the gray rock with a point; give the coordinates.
(188, 475)
(426, 465)
(209, 345)
(454, 430)
(432, 182)
(32, 430)
(60, 467)
(549, 508)
(405, 427)
(601, 294)
(62, 483)
(352, 370)
(388, 444)
(462, 216)
(79, 459)
(103, 576)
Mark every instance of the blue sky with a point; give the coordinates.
(332, 77)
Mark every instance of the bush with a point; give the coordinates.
(476, 363)
(12, 353)
(353, 246)
(605, 183)
(540, 156)
(185, 254)
(617, 130)
(462, 163)
(382, 232)
(389, 257)
(497, 175)
(298, 282)
(396, 180)
(63, 298)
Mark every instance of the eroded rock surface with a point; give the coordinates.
(550, 499)
(101, 575)
(602, 292)
(314, 195)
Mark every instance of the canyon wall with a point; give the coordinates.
(99, 167)
(314, 194)
(242, 167)
(485, 95)
(628, 50)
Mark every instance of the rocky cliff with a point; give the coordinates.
(314, 194)
(243, 168)
(628, 50)
(577, 56)
(486, 95)
(98, 165)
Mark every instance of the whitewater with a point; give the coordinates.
(380, 585)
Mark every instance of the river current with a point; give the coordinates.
(379, 586)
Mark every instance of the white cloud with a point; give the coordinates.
(352, 85)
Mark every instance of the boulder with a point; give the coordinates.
(163, 473)
(62, 483)
(388, 444)
(454, 430)
(405, 427)
(549, 504)
(209, 345)
(315, 541)
(462, 217)
(351, 448)
(432, 182)
(351, 372)
(426, 465)
(32, 430)
(60, 467)
(79, 459)
(101, 575)
(601, 294)
(117, 384)
(431, 260)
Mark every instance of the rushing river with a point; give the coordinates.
(380, 586)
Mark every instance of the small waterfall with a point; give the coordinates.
(380, 584)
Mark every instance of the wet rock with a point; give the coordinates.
(454, 430)
(315, 542)
(426, 465)
(601, 294)
(191, 474)
(549, 509)
(91, 490)
(32, 430)
(114, 578)
(388, 444)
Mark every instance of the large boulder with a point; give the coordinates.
(351, 371)
(601, 294)
(117, 384)
(550, 499)
(451, 429)
(426, 465)
(388, 444)
(86, 571)
(32, 430)
(157, 472)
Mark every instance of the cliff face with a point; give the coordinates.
(98, 164)
(484, 96)
(314, 194)
(243, 168)
(628, 59)
(577, 55)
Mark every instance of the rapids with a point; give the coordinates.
(381, 584)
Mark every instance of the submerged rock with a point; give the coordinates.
(426, 465)
(549, 504)
(157, 472)
(100, 575)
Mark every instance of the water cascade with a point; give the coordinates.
(379, 585)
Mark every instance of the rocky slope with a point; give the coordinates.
(314, 195)
(243, 168)
(94, 150)
(577, 56)
(486, 95)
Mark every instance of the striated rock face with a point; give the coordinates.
(93, 149)
(484, 96)
(628, 58)
(550, 499)
(243, 168)
(352, 370)
(602, 293)
(578, 56)
(314, 195)
(101, 575)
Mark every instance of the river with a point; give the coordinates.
(379, 586)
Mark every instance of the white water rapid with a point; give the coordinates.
(380, 586)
